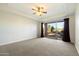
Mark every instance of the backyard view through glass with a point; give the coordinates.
(55, 29)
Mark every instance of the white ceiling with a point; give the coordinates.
(54, 10)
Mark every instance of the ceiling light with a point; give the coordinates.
(39, 10)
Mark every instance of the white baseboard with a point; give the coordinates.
(14, 41)
(77, 49)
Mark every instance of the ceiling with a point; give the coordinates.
(54, 10)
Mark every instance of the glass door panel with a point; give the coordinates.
(60, 29)
(55, 30)
(51, 30)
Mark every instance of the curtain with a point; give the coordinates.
(42, 35)
(66, 35)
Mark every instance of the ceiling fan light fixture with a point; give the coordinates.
(39, 10)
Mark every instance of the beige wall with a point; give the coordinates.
(77, 28)
(72, 28)
(15, 28)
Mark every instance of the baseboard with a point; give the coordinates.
(14, 41)
(76, 49)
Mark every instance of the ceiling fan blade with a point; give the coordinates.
(33, 9)
(40, 15)
(44, 12)
(34, 13)
(42, 7)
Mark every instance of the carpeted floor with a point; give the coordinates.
(39, 47)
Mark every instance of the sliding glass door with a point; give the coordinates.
(55, 30)
(51, 30)
(60, 29)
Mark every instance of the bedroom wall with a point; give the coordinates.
(77, 28)
(72, 28)
(14, 28)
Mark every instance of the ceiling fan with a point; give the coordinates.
(39, 10)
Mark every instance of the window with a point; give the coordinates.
(55, 29)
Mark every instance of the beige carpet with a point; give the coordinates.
(39, 47)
